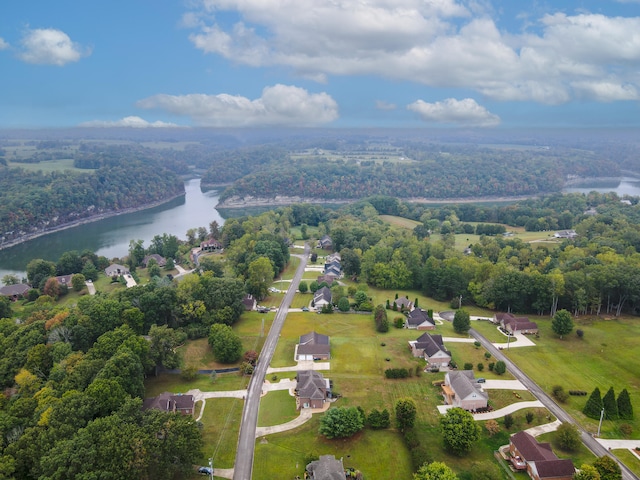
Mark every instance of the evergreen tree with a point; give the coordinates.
(461, 321)
(593, 407)
(625, 409)
(610, 405)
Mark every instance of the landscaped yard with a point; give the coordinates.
(276, 408)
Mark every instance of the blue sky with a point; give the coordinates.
(330, 63)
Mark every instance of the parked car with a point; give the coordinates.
(481, 380)
(262, 309)
(205, 470)
(305, 309)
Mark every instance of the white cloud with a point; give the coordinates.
(440, 43)
(3, 45)
(48, 46)
(279, 105)
(465, 112)
(383, 105)
(132, 122)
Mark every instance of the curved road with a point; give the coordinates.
(247, 439)
(590, 442)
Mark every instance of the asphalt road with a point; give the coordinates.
(590, 442)
(247, 438)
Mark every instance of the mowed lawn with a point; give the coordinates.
(605, 357)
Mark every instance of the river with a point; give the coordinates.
(110, 237)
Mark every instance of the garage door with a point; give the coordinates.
(305, 357)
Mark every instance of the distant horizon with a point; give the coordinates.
(317, 63)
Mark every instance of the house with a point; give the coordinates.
(312, 389)
(328, 279)
(115, 270)
(326, 468)
(460, 389)
(403, 303)
(249, 302)
(335, 270)
(313, 346)
(419, 320)
(565, 234)
(15, 292)
(160, 260)
(325, 243)
(333, 257)
(169, 402)
(538, 459)
(64, 280)
(211, 245)
(513, 325)
(432, 349)
(322, 297)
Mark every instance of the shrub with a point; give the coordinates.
(626, 429)
(477, 344)
(580, 333)
(578, 393)
(189, 372)
(508, 421)
(396, 373)
(492, 427)
(487, 355)
(529, 417)
(559, 393)
(468, 366)
(399, 322)
(491, 365)
(568, 437)
(500, 367)
(480, 366)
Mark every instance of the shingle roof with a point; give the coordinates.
(323, 294)
(311, 384)
(326, 468)
(431, 344)
(17, 289)
(314, 343)
(463, 383)
(418, 316)
(530, 449)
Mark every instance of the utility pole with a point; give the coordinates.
(600, 423)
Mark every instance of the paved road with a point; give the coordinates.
(247, 438)
(590, 442)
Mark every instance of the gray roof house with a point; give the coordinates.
(169, 402)
(160, 260)
(115, 270)
(313, 346)
(326, 468)
(402, 303)
(432, 349)
(16, 291)
(312, 389)
(322, 297)
(460, 389)
(325, 242)
(419, 320)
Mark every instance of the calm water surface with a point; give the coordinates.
(110, 237)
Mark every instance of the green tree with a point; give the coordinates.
(461, 321)
(381, 320)
(226, 345)
(459, 430)
(77, 281)
(163, 344)
(39, 270)
(593, 407)
(625, 409)
(10, 280)
(259, 277)
(587, 472)
(303, 287)
(568, 437)
(608, 468)
(343, 304)
(5, 307)
(562, 324)
(434, 471)
(341, 422)
(136, 252)
(405, 413)
(500, 367)
(69, 263)
(485, 471)
(610, 405)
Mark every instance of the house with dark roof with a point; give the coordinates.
(115, 270)
(15, 292)
(169, 402)
(313, 346)
(328, 279)
(249, 302)
(322, 297)
(64, 280)
(160, 260)
(325, 242)
(402, 304)
(211, 245)
(515, 325)
(538, 459)
(326, 468)
(419, 320)
(334, 270)
(312, 389)
(431, 347)
(460, 389)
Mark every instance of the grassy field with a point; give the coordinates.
(276, 408)
(604, 357)
(221, 420)
(49, 166)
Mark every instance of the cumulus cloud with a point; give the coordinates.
(279, 105)
(132, 122)
(465, 112)
(48, 46)
(440, 43)
(3, 45)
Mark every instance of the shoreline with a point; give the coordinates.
(86, 220)
(281, 200)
